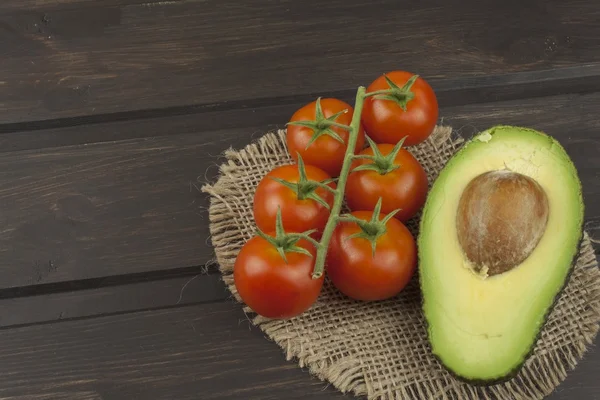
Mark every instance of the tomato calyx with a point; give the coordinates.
(321, 125)
(399, 95)
(370, 230)
(306, 188)
(382, 164)
(286, 242)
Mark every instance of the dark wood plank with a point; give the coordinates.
(75, 58)
(109, 299)
(127, 207)
(53, 395)
(116, 208)
(204, 351)
(41, 4)
(273, 112)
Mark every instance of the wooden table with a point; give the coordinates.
(115, 112)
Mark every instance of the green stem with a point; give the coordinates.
(375, 93)
(341, 185)
(336, 124)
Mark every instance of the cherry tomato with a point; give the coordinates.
(272, 287)
(299, 215)
(358, 274)
(386, 121)
(325, 152)
(404, 187)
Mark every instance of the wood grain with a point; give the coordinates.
(275, 112)
(207, 352)
(45, 4)
(126, 207)
(76, 58)
(115, 208)
(65, 395)
(203, 351)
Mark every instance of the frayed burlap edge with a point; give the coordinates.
(379, 350)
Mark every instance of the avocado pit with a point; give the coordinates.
(501, 217)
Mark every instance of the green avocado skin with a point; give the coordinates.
(514, 372)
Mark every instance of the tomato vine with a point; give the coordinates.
(369, 253)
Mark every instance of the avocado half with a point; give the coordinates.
(482, 326)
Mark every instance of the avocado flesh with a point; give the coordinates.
(483, 328)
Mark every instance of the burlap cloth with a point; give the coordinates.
(380, 350)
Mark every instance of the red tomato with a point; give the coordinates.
(386, 121)
(405, 187)
(358, 274)
(299, 215)
(272, 287)
(325, 152)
